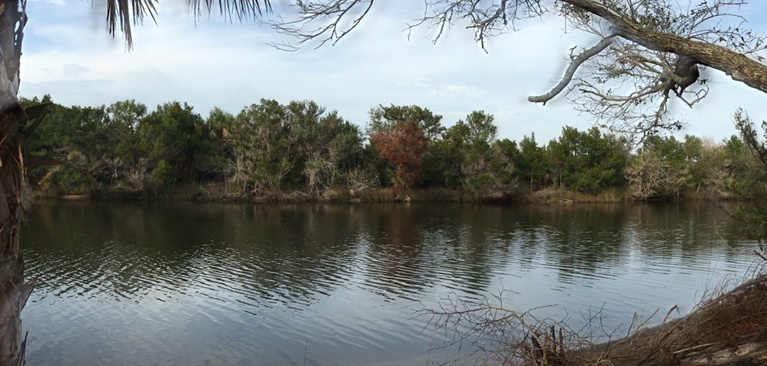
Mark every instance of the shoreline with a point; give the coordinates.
(214, 192)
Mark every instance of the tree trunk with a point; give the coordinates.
(739, 67)
(15, 192)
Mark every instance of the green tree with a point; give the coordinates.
(325, 146)
(221, 125)
(739, 164)
(533, 163)
(74, 136)
(261, 148)
(708, 166)
(752, 182)
(696, 159)
(298, 146)
(174, 133)
(125, 161)
(163, 174)
(120, 145)
(383, 118)
(659, 170)
(485, 169)
(441, 162)
(588, 161)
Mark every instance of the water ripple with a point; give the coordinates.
(324, 285)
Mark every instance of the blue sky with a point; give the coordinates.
(216, 63)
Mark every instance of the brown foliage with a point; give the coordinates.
(402, 147)
(727, 323)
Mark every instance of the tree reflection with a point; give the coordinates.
(288, 272)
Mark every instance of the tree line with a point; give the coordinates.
(301, 149)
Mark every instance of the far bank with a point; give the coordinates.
(216, 192)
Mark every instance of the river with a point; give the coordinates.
(128, 283)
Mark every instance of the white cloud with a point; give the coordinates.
(73, 69)
(69, 55)
(464, 91)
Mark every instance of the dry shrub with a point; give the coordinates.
(495, 335)
(735, 315)
(729, 327)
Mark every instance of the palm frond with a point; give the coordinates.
(240, 9)
(127, 13)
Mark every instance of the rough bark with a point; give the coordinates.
(15, 191)
(739, 67)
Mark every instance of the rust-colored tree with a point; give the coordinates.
(402, 146)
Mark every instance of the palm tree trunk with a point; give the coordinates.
(15, 196)
(15, 192)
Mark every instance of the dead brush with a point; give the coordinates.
(740, 313)
(729, 327)
(499, 336)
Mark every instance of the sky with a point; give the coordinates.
(213, 62)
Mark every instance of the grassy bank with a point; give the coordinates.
(220, 192)
(566, 196)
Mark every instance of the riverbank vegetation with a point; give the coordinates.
(302, 151)
(727, 328)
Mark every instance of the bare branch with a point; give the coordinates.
(574, 64)
(323, 21)
(331, 15)
(650, 53)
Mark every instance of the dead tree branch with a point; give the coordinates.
(654, 51)
(570, 72)
(330, 15)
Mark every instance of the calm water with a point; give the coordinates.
(188, 284)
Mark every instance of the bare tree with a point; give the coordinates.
(649, 53)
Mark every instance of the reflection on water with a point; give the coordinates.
(188, 284)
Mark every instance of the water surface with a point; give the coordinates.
(189, 284)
